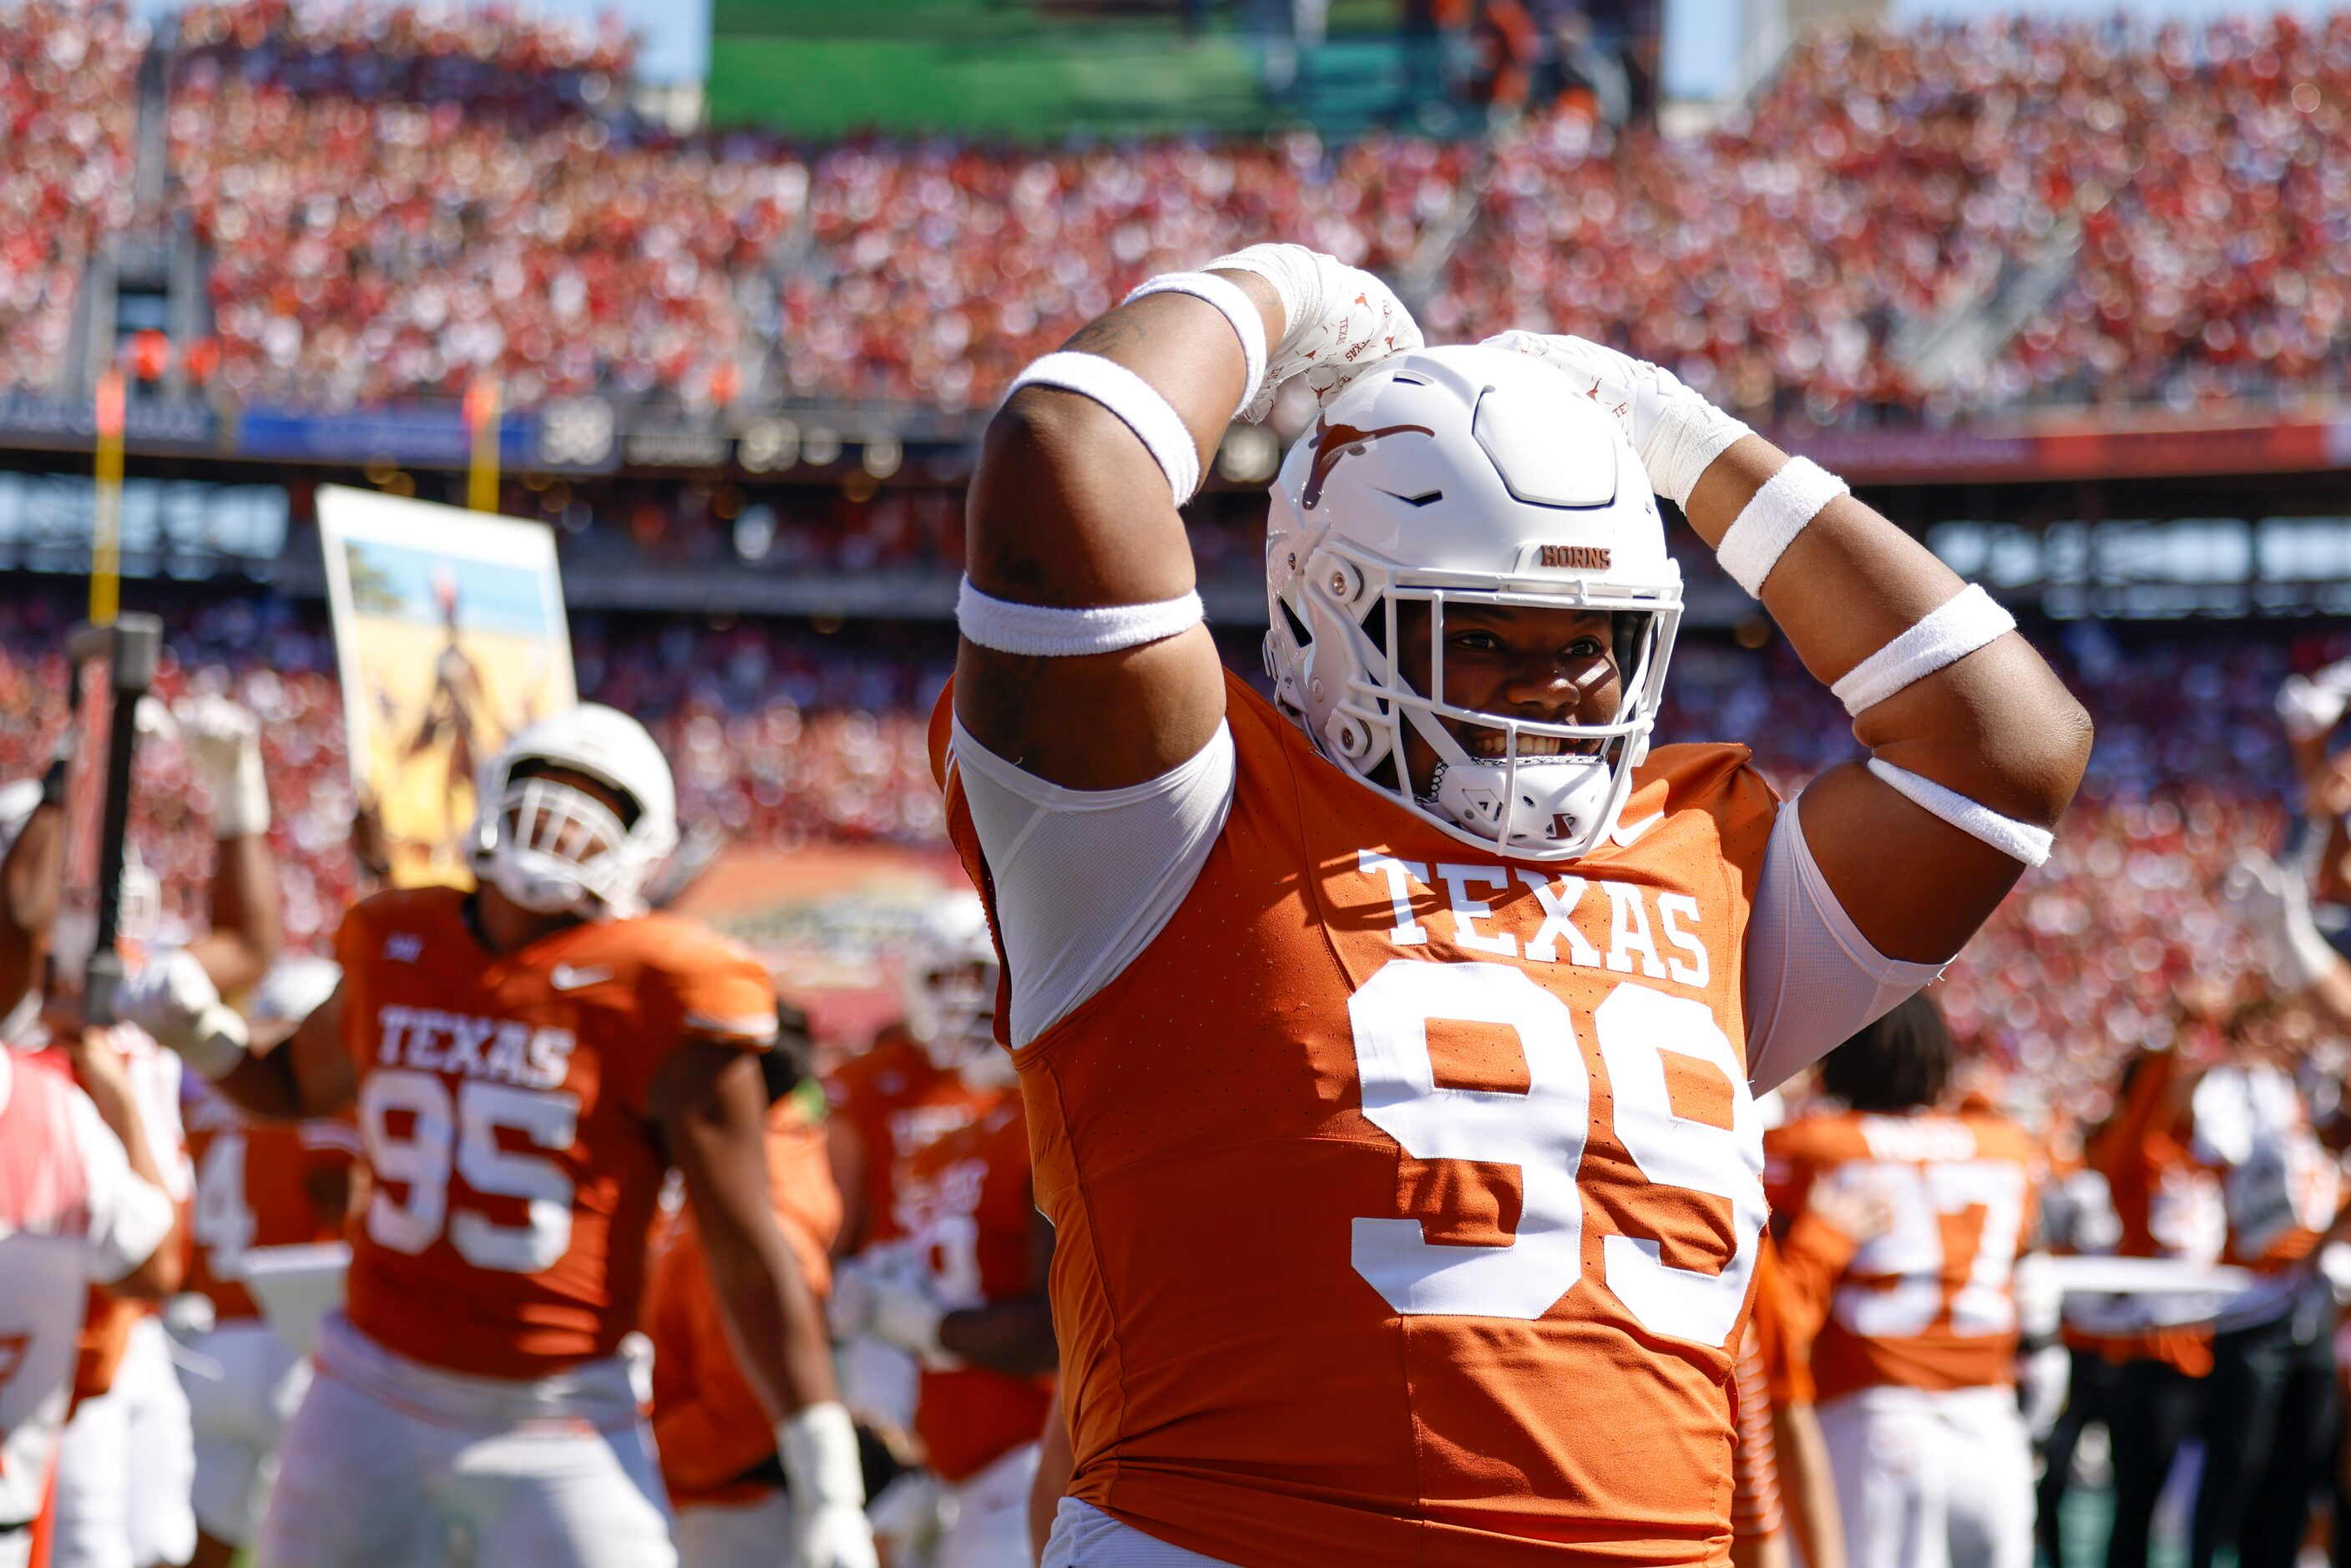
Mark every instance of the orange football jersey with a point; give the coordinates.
(709, 1426)
(898, 1101)
(1929, 1303)
(1406, 1195)
(2167, 1204)
(966, 1202)
(503, 1105)
(252, 1190)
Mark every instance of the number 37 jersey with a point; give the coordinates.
(1406, 1196)
(504, 1107)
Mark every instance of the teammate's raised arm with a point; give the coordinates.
(223, 741)
(30, 872)
(1085, 661)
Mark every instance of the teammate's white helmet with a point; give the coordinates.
(291, 990)
(553, 847)
(1466, 476)
(950, 984)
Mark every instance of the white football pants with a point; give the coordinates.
(390, 1464)
(735, 1535)
(1932, 1478)
(244, 1384)
(987, 1515)
(1086, 1537)
(126, 1467)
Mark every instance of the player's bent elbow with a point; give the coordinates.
(2046, 763)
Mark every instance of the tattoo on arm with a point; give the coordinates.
(1105, 334)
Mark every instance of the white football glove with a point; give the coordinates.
(1677, 432)
(224, 739)
(2272, 906)
(2311, 705)
(1338, 321)
(888, 1292)
(818, 1448)
(174, 1000)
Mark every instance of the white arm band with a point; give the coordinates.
(1773, 519)
(2018, 840)
(1951, 633)
(1051, 632)
(1226, 297)
(1137, 402)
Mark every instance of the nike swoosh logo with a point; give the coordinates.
(1622, 834)
(564, 977)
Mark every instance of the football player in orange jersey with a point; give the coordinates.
(966, 1293)
(2140, 1360)
(2268, 1404)
(125, 1473)
(1387, 1048)
(1915, 1310)
(256, 1187)
(717, 1446)
(924, 1079)
(527, 1061)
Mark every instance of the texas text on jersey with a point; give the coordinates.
(965, 1204)
(899, 1100)
(1456, 1130)
(503, 1105)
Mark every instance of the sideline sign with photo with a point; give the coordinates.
(450, 635)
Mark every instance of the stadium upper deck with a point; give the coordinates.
(1907, 225)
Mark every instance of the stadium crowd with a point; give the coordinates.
(359, 175)
(785, 736)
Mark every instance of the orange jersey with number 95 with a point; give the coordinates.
(503, 1106)
(1406, 1197)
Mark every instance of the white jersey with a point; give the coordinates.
(72, 1212)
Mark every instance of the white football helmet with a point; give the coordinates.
(552, 847)
(950, 986)
(1463, 476)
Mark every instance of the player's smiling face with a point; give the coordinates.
(1550, 666)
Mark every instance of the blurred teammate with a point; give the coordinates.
(2269, 1404)
(2139, 1360)
(925, 1078)
(126, 1472)
(527, 1060)
(1388, 1047)
(256, 1187)
(717, 1444)
(1915, 1356)
(81, 1202)
(966, 1293)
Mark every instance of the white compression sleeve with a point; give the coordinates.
(1086, 879)
(1813, 979)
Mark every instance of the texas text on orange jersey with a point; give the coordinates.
(1405, 1197)
(503, 1104)
(254, 1189)
(709, 1425)
(1929, 1303)
(966, 1202)
(899, 1100)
